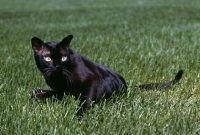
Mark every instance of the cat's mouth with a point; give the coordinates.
(57, 71)
(58, 74)
(49, 72)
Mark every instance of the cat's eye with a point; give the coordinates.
(48, 59)
(64, 58)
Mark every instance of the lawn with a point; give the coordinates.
(144, 41)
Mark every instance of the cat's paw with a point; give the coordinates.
(38, 93)
(41, 93)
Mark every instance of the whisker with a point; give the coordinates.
(66, 74)
(47, 73)
(69, 77)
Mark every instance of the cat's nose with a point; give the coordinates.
(58, 67)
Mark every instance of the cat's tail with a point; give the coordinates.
(165, 85)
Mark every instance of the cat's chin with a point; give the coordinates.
(57, 72)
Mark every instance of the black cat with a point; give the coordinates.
(68, 72)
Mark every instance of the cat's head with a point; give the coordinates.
(51, 56)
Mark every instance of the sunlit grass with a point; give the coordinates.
(145, 41)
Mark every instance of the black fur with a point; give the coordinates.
(165, 85)
(70, 73)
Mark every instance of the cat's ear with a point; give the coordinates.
(66, 41)
(37, 44)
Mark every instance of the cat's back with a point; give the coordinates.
(98, 70)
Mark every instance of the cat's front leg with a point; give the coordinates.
(85, 103)
(41, 93)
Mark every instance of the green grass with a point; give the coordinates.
(145, 41)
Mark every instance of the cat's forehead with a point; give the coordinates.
(52, 44)
(44, 51)
(48, 48)
(53, 49)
